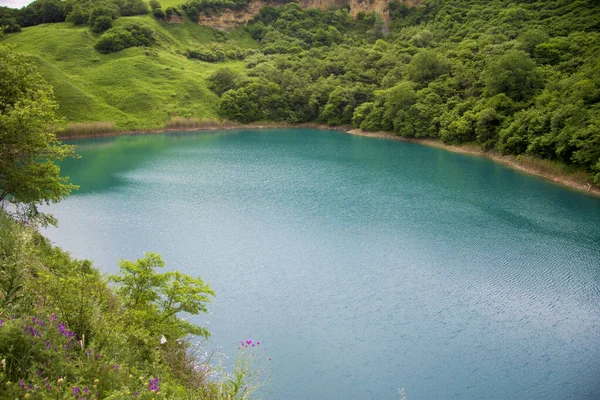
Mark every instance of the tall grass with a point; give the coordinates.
(196, 123)
(88, 129)
(183, 123)
(552, 168)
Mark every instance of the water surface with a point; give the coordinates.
(364, 265)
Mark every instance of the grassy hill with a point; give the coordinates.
(136, 88)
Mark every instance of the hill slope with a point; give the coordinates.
(135, 88)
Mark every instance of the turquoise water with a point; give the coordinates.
(364, 265)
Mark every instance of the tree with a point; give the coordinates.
(154, 299)
(101, 24)
(514, 74)
(222, 80)
(29, 148)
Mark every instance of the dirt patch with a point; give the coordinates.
(230, 19)
(176, 19)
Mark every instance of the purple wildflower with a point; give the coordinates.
(153, 386)
(22, 384)
(1, 322)
(76, 391)
(116, 367)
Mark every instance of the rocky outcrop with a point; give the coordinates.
(229, 19)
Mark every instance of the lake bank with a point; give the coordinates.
(548, 170)
(542, 168)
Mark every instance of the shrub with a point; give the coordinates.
(115, 40)
(159, 13)
(101, 24)
(122, 38)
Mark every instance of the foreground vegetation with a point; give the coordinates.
(66, 331)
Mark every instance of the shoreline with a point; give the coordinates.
(216, 127)
(510, 161)
(563, 179)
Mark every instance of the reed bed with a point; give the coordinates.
(552, 167)
(78, 129)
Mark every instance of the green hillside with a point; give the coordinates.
(135, 88)
(515, 77)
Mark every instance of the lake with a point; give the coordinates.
(363, 265)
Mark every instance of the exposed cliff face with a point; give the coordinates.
(229, 19)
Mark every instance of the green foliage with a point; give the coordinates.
(78, 16)
(101, 24)
(130, 35)
(8, 20)
(425, 66)
(152, 300)
(132, 7)
(15, 251)
(103, 12)
(223, 80)
(29, 149)
(71, 335)
(42, 12)
(513, 74)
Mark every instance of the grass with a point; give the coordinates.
(553, 168)
(88, 129)
(137, 88)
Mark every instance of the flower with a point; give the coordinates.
(153, 385)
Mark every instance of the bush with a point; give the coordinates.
(78, 16)
(122, 38)
(222, 81)
(101, 24)
(159, 13)
(132, 7)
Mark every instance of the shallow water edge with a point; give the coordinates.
(575, 182)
